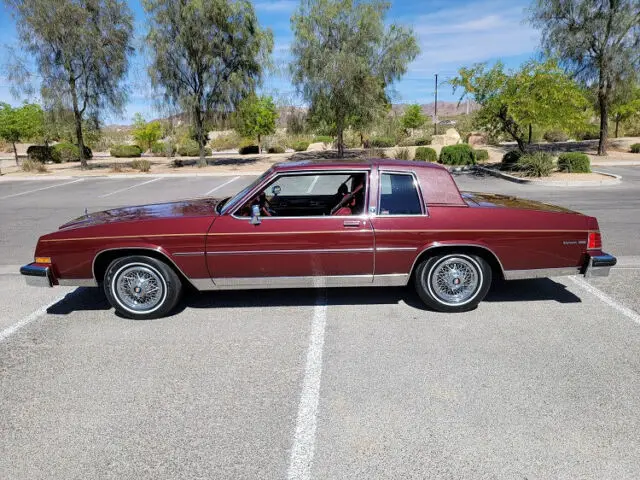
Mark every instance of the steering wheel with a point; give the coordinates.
(265, 206)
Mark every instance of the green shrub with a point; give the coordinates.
(30, 165)
(592, 132)
(381, 142)
(510, 159)
(374, 153)
(276, 149)
(415, 142)
(125, 151)
(68, 152)
(635, 148)
(538, 164)
(556, 136)
(323, 139)
(190, 148)
(300, 146)
(574, 162)
(249, 149)
(40, 153)
(482, 155)
(403, 154)
(167, 149)
(461, 154)
(426, 154)
(142, 165)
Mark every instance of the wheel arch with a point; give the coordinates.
(480, 250)
(103, 259)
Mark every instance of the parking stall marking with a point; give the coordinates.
(223, 185)
(303, 447)
(40, 189)
(129, 188)
(7, 332)
(627, 312)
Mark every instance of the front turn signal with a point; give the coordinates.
(46, 260)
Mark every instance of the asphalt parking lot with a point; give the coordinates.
(541, 381)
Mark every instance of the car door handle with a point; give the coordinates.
(351, 223)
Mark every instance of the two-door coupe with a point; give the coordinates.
(322, 224)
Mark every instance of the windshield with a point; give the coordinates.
(231, 204)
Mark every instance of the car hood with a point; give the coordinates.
(184, 208)
(491, 200)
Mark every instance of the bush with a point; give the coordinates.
(403, 154)
(635, 148)
(249, 149)
(510, 159)
(574, 162)
(482, 155)
(30, 165)
(40, 153)
(374, 153)
(323, 139)
(415, 142)
(538, 164)
(68, 152)
(276, 149)
(190, 148)
(300, 146)
(426, 154)
(226, 142)
(167, 149)
(125, 151)
(142, 165)
(461, 154)
(381, 142)
(591, 132)
(556, 136)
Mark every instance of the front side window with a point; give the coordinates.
(399, 195)
(310, 195)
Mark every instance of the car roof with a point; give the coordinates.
(353, 163)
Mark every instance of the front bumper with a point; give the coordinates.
(599, 265)
(37, 275)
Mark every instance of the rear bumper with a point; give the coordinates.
(599, 265)
(37, 275)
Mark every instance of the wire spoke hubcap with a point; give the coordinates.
(455, 280)
(139, 288)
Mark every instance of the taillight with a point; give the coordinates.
(594, 241)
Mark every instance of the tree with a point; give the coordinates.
(207, 55)
(598, 40)
(146, 133)
(538, 94)
(256, 116)
(625, 104)
(20, 123)
(344, 59)
(81, 48)
(413, 117)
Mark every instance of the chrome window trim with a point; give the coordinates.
(366, 171)
(416, 183)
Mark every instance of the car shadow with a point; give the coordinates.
(543, 289)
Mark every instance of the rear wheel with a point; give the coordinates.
(142, 287)
(454, 282)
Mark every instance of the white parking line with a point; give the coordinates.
(305, 437)
(223, 185)
(7, 332)
(129, 188)
(627, 312)
(40, 189)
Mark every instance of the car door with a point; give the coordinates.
(301, 243)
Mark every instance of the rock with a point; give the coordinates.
(317, 147)
(450, 137)
(477, 139)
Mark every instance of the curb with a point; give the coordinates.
(6, 178)
(616, 163)
(615, 179)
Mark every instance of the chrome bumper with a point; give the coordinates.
(599, 265)
(37, 275)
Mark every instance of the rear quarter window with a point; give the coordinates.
(399, 195)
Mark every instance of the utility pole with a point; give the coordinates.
(435, 115)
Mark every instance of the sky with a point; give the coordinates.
(451, 34)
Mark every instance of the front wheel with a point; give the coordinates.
(142, 288)
(454, 282)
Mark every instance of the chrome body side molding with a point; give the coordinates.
(77, 282)
(392, 280)
(540, 273)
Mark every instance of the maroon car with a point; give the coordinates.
(322, 224)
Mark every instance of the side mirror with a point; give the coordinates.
(255, 215)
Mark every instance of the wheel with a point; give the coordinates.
(141, 287)
(454, 282)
